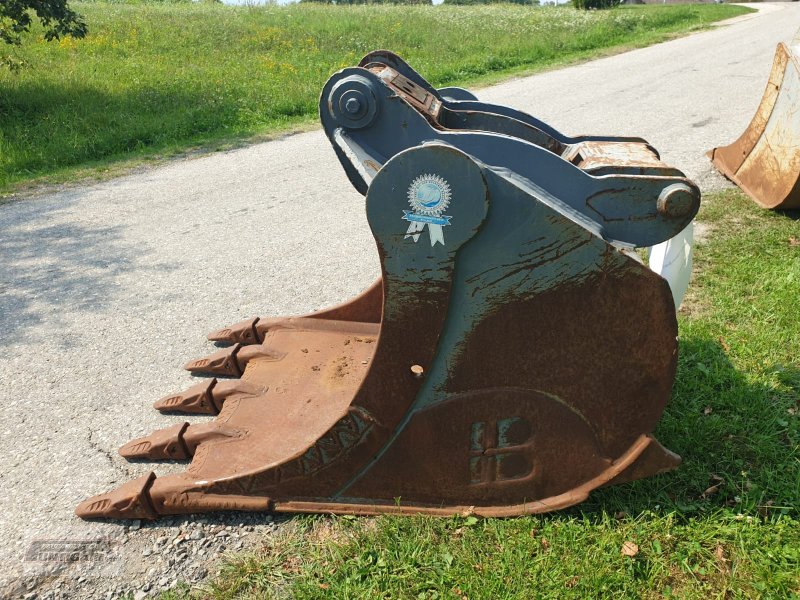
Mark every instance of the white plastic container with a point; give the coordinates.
(673, 261)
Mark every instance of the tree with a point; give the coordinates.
(16, 17)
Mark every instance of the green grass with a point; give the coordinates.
(724, 525)
(162, 77)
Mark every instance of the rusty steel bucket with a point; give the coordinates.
(765, 161)
(514, 355)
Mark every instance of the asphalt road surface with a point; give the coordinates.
(106, 290)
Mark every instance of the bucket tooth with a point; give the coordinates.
(162, 444)
(425, 394)
(150, 497)
(230, 362)
(244, 332)
(178, 442)
(129, 501)
(198, 399)
(222, 362)
(207, 398)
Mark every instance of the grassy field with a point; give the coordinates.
(724, 525)
(161, 77)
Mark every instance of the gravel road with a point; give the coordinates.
(105, 290)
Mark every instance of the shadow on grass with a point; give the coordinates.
(793, 214)
(737, 438)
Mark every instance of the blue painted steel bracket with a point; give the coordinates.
(370, 117)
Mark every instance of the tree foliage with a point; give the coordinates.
(16, 17)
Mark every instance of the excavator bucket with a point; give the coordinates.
(514, 355)
(765, 161)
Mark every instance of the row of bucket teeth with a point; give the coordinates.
(180, 441)
(207, 397)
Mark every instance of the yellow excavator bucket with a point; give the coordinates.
(765, 161)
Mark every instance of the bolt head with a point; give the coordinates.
(676, 200)
(352, 106)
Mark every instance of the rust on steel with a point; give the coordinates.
(512, 357)
(765, 161)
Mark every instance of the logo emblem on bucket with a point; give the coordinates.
(429, 197)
